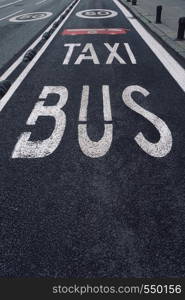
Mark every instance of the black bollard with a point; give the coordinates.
(46, 35)
(158, 14)
(134, 2)
(56, 24)
(29, 55)
(181, 29)
(4, 87)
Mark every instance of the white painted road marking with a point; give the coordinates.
(106, 104)
(12, 3)
(15, 13)
(90, 148)
(173, 67)
(29, 149)
(42, 148)
(100, 148)
(69, 52)
(130, 53)
(88, 48)
(95, 149)
(11, 69)
(25, 148)
(163, 147)
(102, 31)
(96, 14)
(29, 17)
(84, 104)
(40, 2)
(113, 54)
(94, 58)
(29, 67)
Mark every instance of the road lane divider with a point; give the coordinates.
(170, 64)
(33, 55)
(43, 35)
(29, 55)
(4, 87)
(4, 100)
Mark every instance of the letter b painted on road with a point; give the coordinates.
(41, 148)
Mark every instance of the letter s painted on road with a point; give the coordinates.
(163, 147)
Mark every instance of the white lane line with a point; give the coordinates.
(4, 18)
(173, 67)
(25, 72)
(40, 2)
(6, 5)
(10, 70)
(130, 54)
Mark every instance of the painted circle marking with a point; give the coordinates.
(96, 14)
(31, 17)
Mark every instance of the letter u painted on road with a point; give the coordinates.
(89, 147)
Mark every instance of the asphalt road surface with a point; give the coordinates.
(93, 153)
(15, 36)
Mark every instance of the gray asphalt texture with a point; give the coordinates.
(15, 36)
(68, 215)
